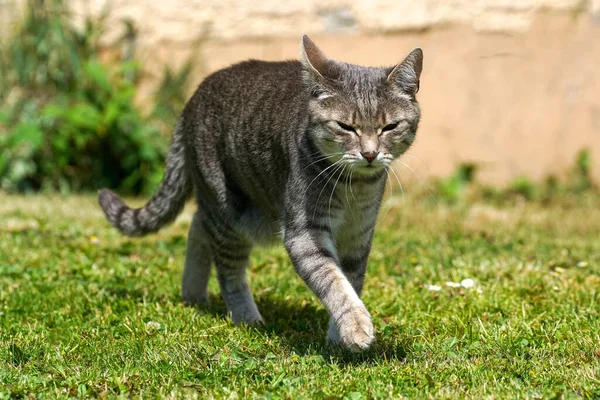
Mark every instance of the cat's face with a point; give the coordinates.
(362, 117)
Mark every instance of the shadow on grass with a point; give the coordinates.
(302, 328)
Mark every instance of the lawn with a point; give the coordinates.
(87, 312)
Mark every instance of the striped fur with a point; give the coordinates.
(292, 151)
(164, 206)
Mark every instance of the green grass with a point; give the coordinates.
(86, 312)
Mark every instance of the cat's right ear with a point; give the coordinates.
(317, 67)
(313, 59)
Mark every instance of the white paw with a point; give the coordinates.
(354, 331)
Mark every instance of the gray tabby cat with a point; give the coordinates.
(291, 150)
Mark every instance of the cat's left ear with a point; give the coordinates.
(407, 74)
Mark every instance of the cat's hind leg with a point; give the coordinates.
(198, 263)
(232, 257)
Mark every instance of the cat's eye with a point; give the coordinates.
(389, 127)
(345, 127)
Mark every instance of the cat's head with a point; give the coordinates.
(361, 116)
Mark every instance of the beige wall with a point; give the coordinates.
(511, 84)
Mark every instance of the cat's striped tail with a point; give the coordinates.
(165, 205)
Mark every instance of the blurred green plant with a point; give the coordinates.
(171, 93)
(453, 188)
(68, 121)
(462, 186)
(580, 175)
(170, 96)
(524, 187)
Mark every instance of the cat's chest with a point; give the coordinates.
(356, 199)
(358, 207)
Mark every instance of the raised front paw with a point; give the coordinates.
(353, 330)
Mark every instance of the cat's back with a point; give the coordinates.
(253, 82)
(283, 71)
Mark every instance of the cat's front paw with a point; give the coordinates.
(353, 331)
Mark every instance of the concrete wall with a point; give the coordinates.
(513, 85)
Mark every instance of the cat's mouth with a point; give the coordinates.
(370, 168)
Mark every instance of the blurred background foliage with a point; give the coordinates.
(463, 187)
(68, 121)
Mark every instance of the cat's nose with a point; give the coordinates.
(369, 155)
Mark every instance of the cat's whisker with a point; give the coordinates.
(323, 158)
(321, 173)
(388, 207)
(412, 170)
(321, 155)
(333, 191)
(389, 181)
(420, 178)
(346, 184)
(398, 179)
(339, 165)
(419, 159)
(321, 152)
(352, 192)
